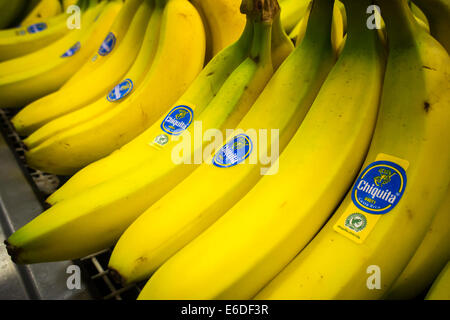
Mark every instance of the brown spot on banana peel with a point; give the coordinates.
(426, 106)
(429, 68)
(13, 251)
(117, 277)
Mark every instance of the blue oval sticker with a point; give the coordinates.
(37, 27)
(108, 45)
(233, 152)
(120, 91)
(178, 120)
(74, 49)
(379, 187)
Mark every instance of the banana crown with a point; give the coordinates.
(260, 10)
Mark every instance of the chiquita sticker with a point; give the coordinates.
(379, 187)
(108, 45)
(74, 49)
(120, 91)
(377, 191)
(233, 152)
(37, 27)
(177, 120)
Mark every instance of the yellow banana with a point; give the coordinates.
(440, 290)
(67, 3)
(420, 17)
(136, 74)
(379, 225)
(437, 12)
(292, 11)
(17, 42)
(45, 9)
(223, 23)
(196, 202)
(115, 36)
(258, 236)
(22, 87)
(137, 151)
(429, 259)
(163, 85)
(51, 235)
(94, 86)
(281, 44)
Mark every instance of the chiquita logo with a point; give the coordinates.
(379, 187)
(37, 27)
(178, 120)
(120, 91)
(74, 49)
(108, 44)
(233, 152)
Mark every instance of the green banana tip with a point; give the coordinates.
(13, 251)
(261, 10)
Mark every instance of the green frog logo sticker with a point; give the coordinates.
(356, 222)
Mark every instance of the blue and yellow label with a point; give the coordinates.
(233, 152)
(74, 49)
(120, 91)
(107, 45)
(377, 191)
(37, 27)
(177, 120)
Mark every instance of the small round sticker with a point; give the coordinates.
(74, 49)
(37, 27)
(107, 45)
(380, 187)
(356, 222)
(120, 91)
(178, 120)
(233, 152)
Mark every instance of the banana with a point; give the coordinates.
(51, 236)
(114, 38)
(440, 290)
(45, 9)
(292, 11)
(428, 260)
(67, 3)
(421, 18)
(223, 23)
(375, 231)
(22, 87)
(437, 12)
(17, 42)
(196, 202)
(136, 74)
(94, 86)
(258, 236)
(10, 11)
(162, 86)
(281, 44)
(197, 97)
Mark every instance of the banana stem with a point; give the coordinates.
(261, 51)
(400, 23)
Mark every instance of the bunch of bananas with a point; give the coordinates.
(358, 117)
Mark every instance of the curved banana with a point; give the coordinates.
(437, 12)
(182, 32)
(44, 9)
(379, 225)
(223, 23)
(429, 259)
(419, 15)
(51, 236)
(282, 46)
(440, 290)
(17, 42)
(95, 85)
(258, 236)
(21, 88)
(135, 152)
(108, 47)
(292, 11)
(10, 11)
(136, 74)
(196, 202)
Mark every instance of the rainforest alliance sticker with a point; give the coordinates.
(233, 152)
(177, 120)
(108, 45)
(120, 91)
(37, 27)
(379, 187)
(74, 49)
